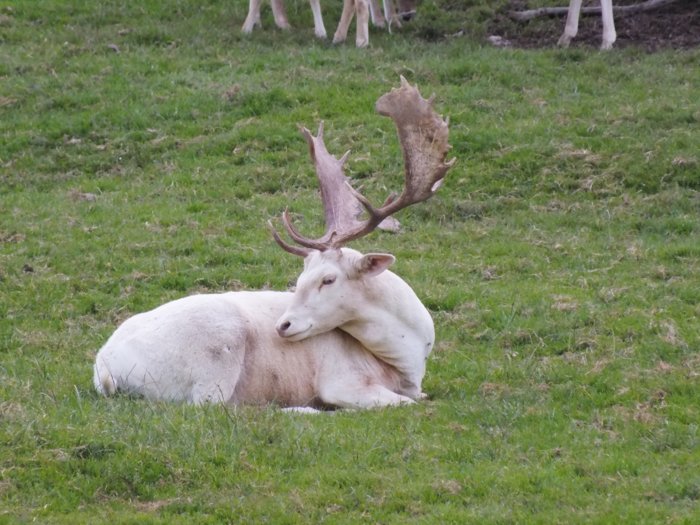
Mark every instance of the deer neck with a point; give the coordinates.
(396, 328)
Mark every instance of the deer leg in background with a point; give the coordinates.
(571, 27)
(362, 12)
(572, 19)
(390, 14)
(253, 18)
(319, 28)
(280, 15)
(376, 14)
(341, 33)
(350, 8)
(609, 34)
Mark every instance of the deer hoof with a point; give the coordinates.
(361, 42)
(564, 41)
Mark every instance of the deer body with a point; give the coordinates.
(366, 344)
(353, 334)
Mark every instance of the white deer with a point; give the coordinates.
(363, 8)
(353, 334)
(571, 28)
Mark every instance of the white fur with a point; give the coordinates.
(358, 342)
(571, 28)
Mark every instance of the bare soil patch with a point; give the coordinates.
(676, 26)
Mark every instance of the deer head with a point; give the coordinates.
(322, 300)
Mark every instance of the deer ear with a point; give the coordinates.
(374, 263)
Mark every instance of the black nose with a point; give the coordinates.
(281, 329)
(407, 16)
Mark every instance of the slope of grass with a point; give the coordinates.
(144, 147)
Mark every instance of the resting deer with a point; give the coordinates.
(353, 334)
(571, 28)
(363, 8)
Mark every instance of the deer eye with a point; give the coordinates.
(329, 279)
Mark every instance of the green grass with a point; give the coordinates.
(560, 261)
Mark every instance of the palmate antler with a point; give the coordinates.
(423, 137)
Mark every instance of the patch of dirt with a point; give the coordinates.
(675, 26)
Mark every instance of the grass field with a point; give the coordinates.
(143, 147)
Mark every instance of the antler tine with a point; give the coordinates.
(299, 238)
(294, 250)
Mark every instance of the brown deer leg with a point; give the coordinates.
(362, 10)
(345, 18)
(279, 14)
(253, 18)
(376, 14)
